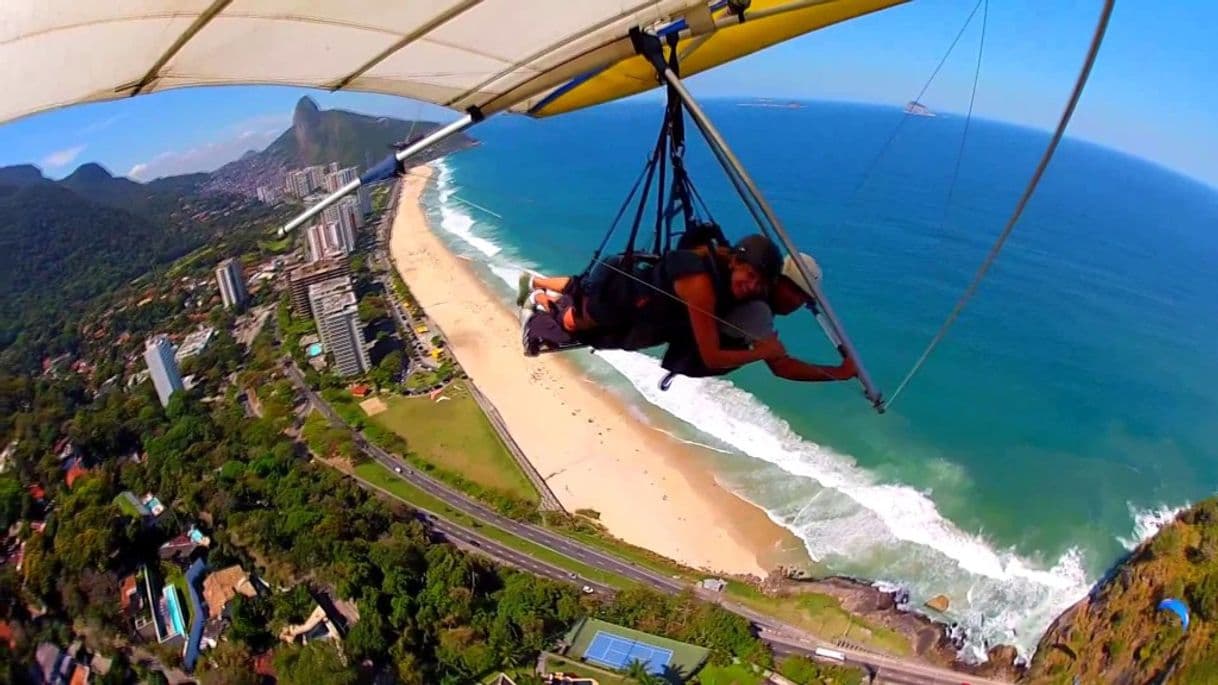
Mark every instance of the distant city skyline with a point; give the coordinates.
(1151, 103)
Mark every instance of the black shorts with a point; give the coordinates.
(610, 294)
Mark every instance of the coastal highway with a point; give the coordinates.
(785, 639)
(474, 542)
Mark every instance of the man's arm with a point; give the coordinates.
(793, 369)
(698, 293)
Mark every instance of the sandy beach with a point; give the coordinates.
(650, 490)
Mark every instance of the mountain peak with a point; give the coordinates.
(90, 172)
(306, 112)
(322, 137)
(21, 175)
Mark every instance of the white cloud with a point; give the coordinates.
(101, 124)
(64, 157)
(231, 142)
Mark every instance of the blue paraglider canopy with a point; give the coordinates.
(1177, 606)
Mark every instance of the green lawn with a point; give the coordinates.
(821, 615)
(279, 246)
(733, 674)
(555, 664)
(379, 476)
(184, 263)
(456, 436)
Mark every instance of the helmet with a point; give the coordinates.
(759, 252)
(790, 269)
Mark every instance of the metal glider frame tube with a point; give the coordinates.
(391, 166)
(751, 194)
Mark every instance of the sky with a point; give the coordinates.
(1151, 93)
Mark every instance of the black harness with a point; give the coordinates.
(630, 294)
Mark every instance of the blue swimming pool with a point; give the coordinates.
(173, 607)
(314, 350)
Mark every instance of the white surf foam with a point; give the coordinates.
(737, 418)
(694, 443)
(507, 274)
(453, 216)
(1147, 522)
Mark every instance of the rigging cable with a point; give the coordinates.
(875, 161)
(1058, 133)
(968, 119)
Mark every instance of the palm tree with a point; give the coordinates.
(637, 671)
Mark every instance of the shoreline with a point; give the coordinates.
(649, 489)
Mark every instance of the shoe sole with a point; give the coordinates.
(523, 288)
(525, 316)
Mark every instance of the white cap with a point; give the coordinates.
(791, 270)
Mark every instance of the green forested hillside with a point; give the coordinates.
(1118, 635)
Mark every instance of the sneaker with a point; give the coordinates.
(531, 347)
(524, 286)
(533, 305)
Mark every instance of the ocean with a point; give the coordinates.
(1067, 415)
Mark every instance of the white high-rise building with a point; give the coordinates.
(337, 317)
(340, 221)
(297, 183)
(318, 243)
(353, 211)
(329, 215)
(268, 194)
(158, 355)
(340, 237)
(232, 284)
(316, 176)
(349, 218)
(342, 177)
(332, 183)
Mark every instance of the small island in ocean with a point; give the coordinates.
(918, 109)
(774, 104)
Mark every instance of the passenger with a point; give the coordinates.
(754, 320)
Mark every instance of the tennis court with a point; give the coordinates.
(608, 645)
(618, 652)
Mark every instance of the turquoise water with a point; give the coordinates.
(1069, 410)
(175, 610)
(314, 350)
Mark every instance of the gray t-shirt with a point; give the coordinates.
(753, 318)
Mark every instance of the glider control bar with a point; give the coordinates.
(392, 165)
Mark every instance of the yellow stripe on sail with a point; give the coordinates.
(635, 75)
